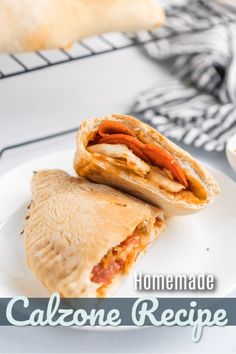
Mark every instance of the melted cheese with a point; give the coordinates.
(120, 151)
(133, 162)
(158, 177)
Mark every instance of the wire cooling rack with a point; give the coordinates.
(18, 64)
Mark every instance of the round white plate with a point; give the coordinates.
(201, 243)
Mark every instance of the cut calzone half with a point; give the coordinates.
(125, 153)
(28, 25)
(82, 238)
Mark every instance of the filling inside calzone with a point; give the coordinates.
(126, 147)
(120, 258)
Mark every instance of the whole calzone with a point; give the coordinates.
(28, 25)
(82, 238)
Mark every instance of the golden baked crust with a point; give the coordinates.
(28, 25)
(99, 170)
(72, 224)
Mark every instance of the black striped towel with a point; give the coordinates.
(198, 106)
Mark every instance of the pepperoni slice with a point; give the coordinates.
(110, 132)
(163, 158)
(108, 127)
(101, 274)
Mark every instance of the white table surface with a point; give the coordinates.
(58, 98)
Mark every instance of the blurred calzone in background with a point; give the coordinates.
(125, 153)
(82, 238)
(28, 25)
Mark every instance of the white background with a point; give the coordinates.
(58, 98)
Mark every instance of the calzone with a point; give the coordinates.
(81, 239)
(28, 25)
(125, 153)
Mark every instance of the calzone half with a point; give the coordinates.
(82, 238)
(125, 153)
(28, 25)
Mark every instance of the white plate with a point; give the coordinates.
(181, 249)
